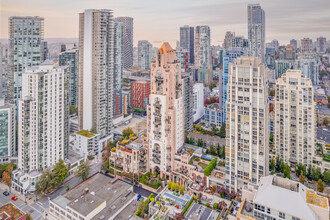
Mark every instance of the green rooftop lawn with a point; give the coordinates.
(85, 133)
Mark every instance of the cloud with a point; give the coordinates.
(156, 20)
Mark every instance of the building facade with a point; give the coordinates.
(71, 58)
(144, 59)
(140, 94)
(281, 66)
(306, 45)
(247, 123)
(187, 41)
(118, 70)
(7, 131)
(229, 37)
(256, 30)
(202, 46)
(25, 50)
(281, 198)
(165, 113)
(309, 66)
(43, 117)
(198, 100)
(294, 44)
(228, 58)
(96, 72)
(294, 118)
(127, 41)
(321, 45)
(187, 93)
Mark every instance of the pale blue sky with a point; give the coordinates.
(159, 20)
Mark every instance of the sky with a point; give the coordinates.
(160, 20)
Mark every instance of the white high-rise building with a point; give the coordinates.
(96, 72)
(43, 117)
(309, 66)
(202, 46)
(256, 30)
(144, 58)
(294, 123)
(165, 113)
(7, 131)
(247, 123)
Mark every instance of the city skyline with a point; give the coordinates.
(219, 15)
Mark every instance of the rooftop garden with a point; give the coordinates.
(214, 132)
(128, 136)
(85, 133)
(210, 167)
(144, 206)
(151, 180)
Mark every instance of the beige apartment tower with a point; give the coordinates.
(165, 112)
(96, 72)
(294, 123)
(247, 123)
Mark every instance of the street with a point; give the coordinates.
(38, 207)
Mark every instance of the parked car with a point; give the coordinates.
(14, 198)
(6, 193)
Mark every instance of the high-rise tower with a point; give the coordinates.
(294, 122)
(144, 49)
(96, 72)
(165, 111)
(187, 41)
(43, 117)
(247, 126)
(202, 46)
(25, 50)
(127, 41)
(118, 70)
(256, 30)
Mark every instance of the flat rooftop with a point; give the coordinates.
(135, 124)
(314, 199)
(101, 189)
(129, 211)
(201, 212)
(10, 211)
(85, 133)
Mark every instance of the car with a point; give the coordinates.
(14, 198)
(6, 193)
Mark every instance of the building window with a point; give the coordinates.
(282, 215)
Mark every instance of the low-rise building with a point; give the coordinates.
(10, 212)
(130, 157)
(99, 197)
(212, 115)
(323, 112)
(279, 198)
(86, 143)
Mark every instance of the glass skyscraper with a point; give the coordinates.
(25, 50)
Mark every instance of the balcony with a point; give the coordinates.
(156, 160)
(157, 105)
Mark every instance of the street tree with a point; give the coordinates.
(302, 177)
(46, 182)
(83, 170)
(6, 179)
(60, 172)
(320, 185)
